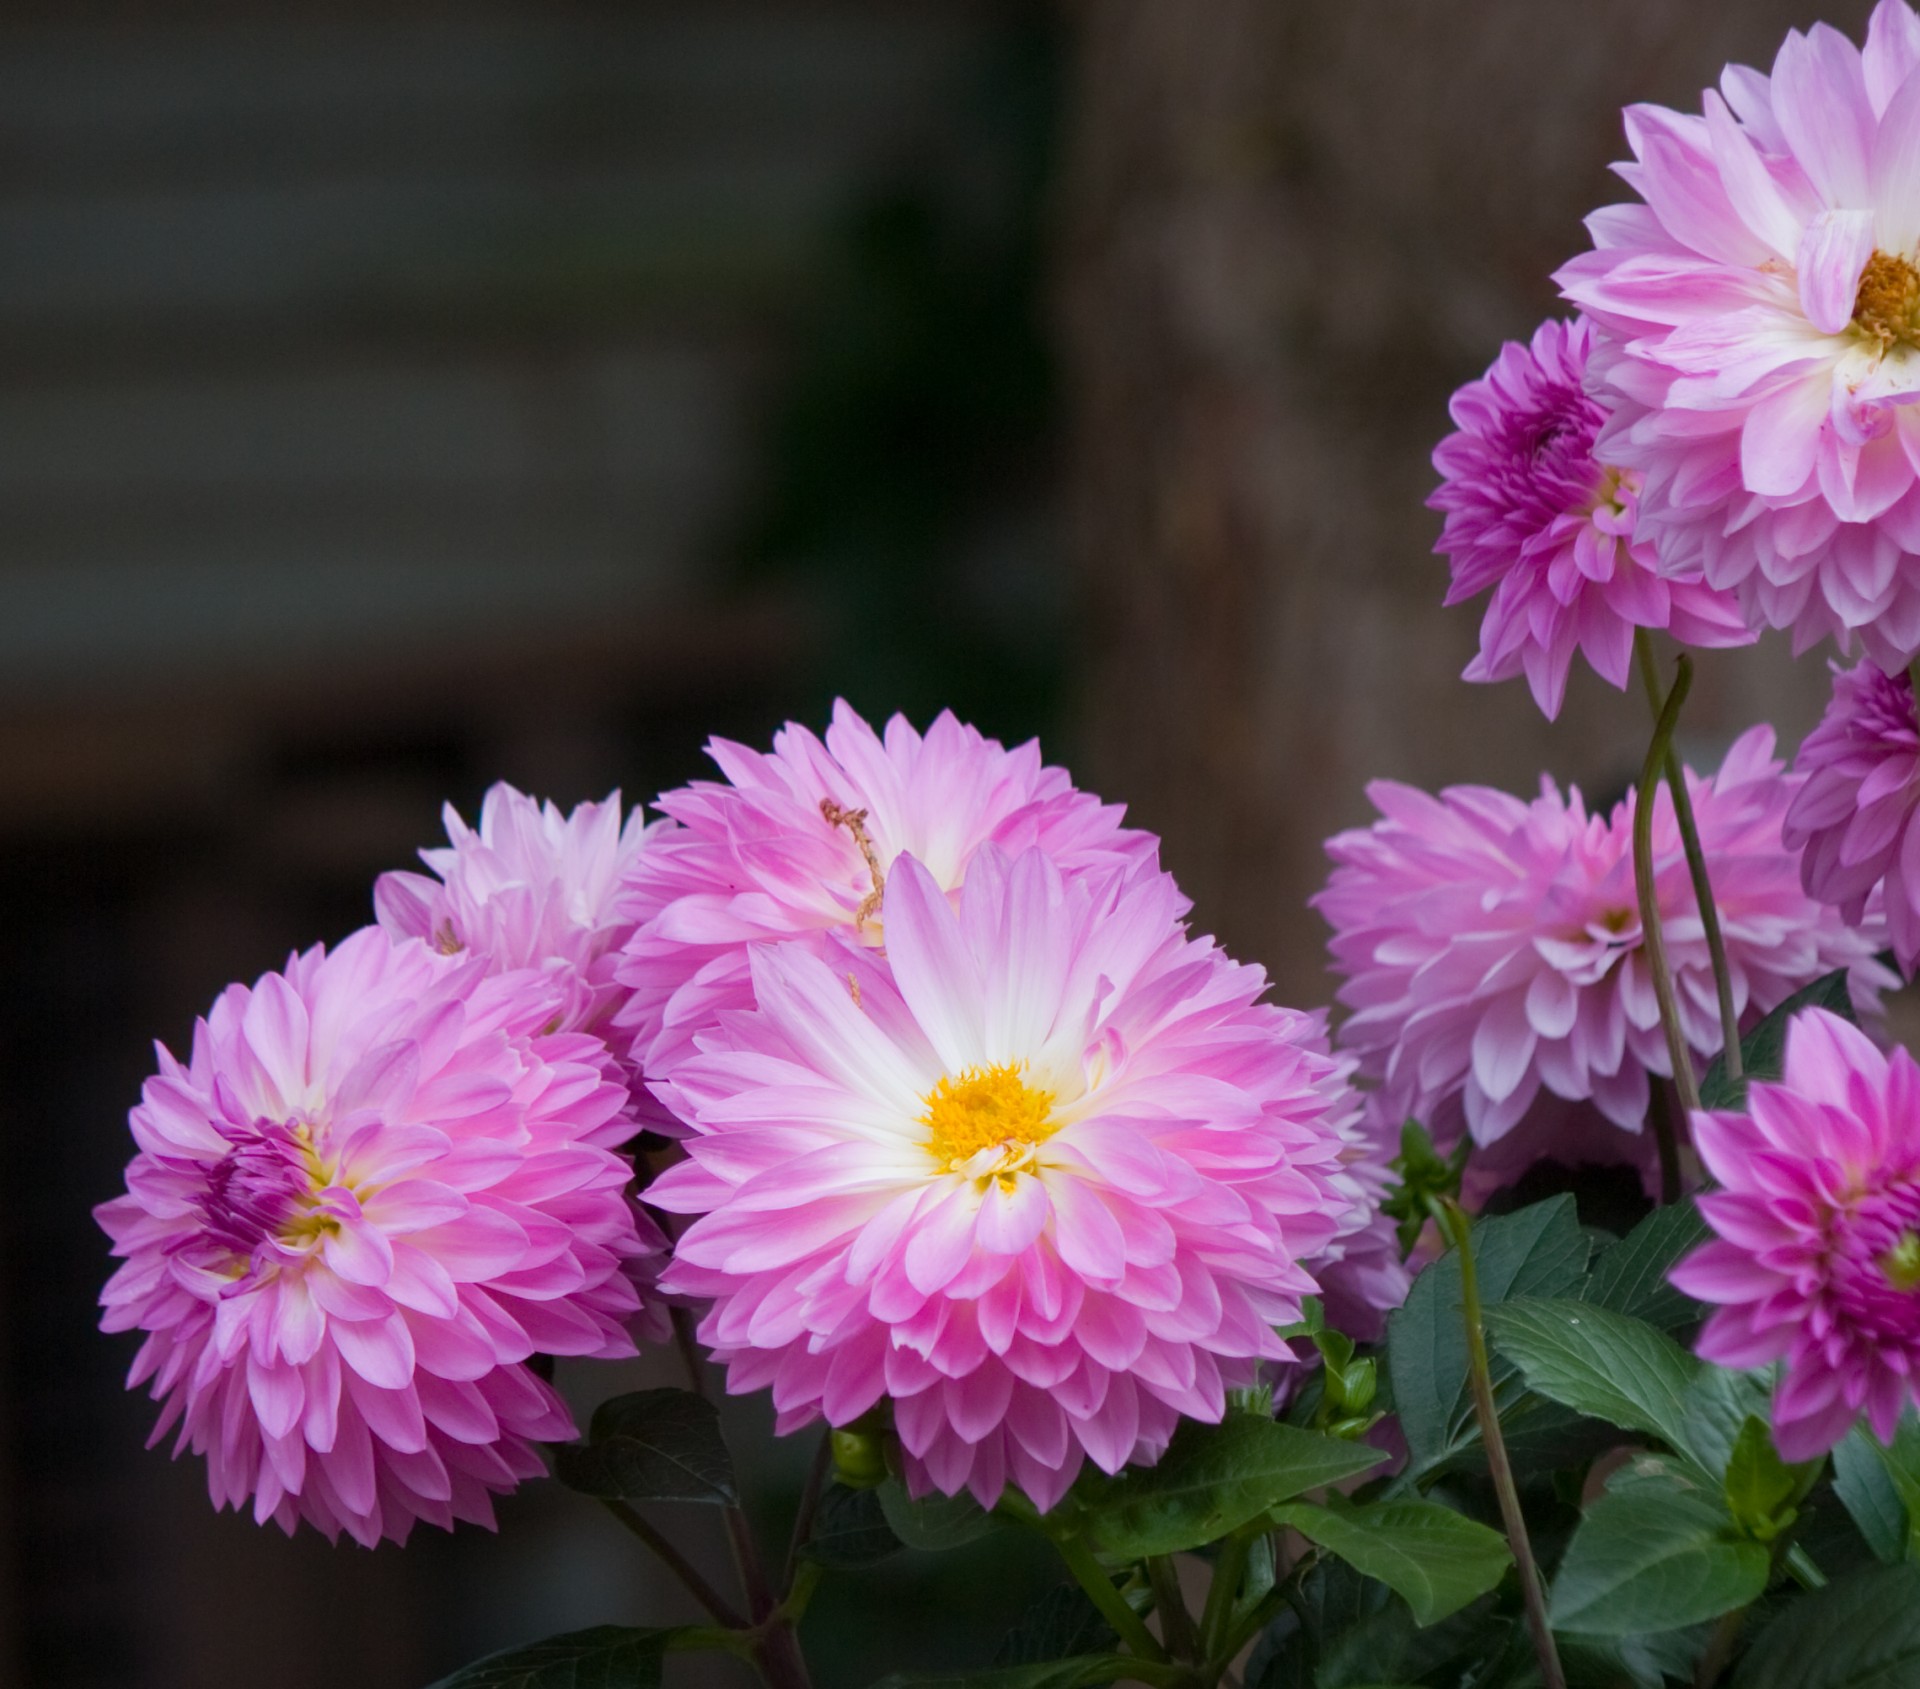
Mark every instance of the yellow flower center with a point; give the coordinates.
(1887, 307)
(1901, 1263)
(986, 1121)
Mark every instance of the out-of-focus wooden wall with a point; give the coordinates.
(1289, 232)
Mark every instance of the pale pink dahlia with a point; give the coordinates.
(1854, 815)
(1817, 1261)
(373, 1192)
(797, 845)
(529, 888)
(1492, 947)
(1045, 1176)
(1759, 334)
(1533, 514)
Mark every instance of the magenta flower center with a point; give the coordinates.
(1887, 307)
(986, 1122)
(1876, 1262)
(265, 1189)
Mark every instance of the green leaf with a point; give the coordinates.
(1860, 1632)
(1866, 1489)
(1435, 1559)
(1599, 1363)
(1759, 1484)
(1212, 1480)
(1654, 1557)
(934, 1522)
(1535, 1251)
(1062, 1623)
(1630, 1277)
(609, 1656)
(850, 1530)
(1719, 1404)
(1049, 1674)
(652, 1445)
(1764, 1048)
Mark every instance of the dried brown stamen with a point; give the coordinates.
(855, 822)
(1887, 306)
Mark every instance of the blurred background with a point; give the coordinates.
(395, 399)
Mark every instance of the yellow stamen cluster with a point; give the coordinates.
(1887, 307)
(986, 1108)
(1901, 1263)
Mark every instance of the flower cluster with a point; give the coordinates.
(972, 1127)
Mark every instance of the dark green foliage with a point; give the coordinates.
(606, 1657)
(652, 1445)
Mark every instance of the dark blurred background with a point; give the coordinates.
(399, 398)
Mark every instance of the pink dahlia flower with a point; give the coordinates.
(1533, 514)
(1853, 816)
(1492, 948)
(1045, 1177)
(1759, 334)
(529, 888)
(373, 1192)
(798, 844)
(1817, 1261)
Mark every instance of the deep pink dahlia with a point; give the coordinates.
(1853, 816)
(376, 1188)
(1817, 1261)
(529, 888)
(1533, 514)
(1492, 947)
(1045, 1176)
(1759, 334)
(797, 844)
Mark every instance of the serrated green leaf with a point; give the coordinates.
(1630, 1277)
(1654, 1557)
(1435, 1559)
(934, 1522)
(652, 1445)
(1719, 1403)
(850, 1530)
(1535, 1251)
(1049, 1674)
(606, 1657)
(1063, 1624)
(1860, 1632)
(1866, 1489)
(1212, 1480)
(1764, 1048)
(1598, 1363)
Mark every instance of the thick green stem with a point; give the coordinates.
(1651, 937)
(1228, 1569)
(1696, 867)
(1092, 1577)
(1453, 1220)
(1176, 1623)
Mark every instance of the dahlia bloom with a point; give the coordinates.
(529, 888)
(1533, 514)
(1759, 334)
(1492, 947)
(798, 844)
(1045, 1176)
(1853, 816)
(375, 1189)
(1817, 1260)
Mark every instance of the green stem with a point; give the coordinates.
(1696, 868)
(1660, 1117)
(1176, 1623)
(809, 1506)
(1228, 1569)
(1719, 1649)
(678, 1564)
(1651, 936)
(1453, 1220)
(1090, 1576)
